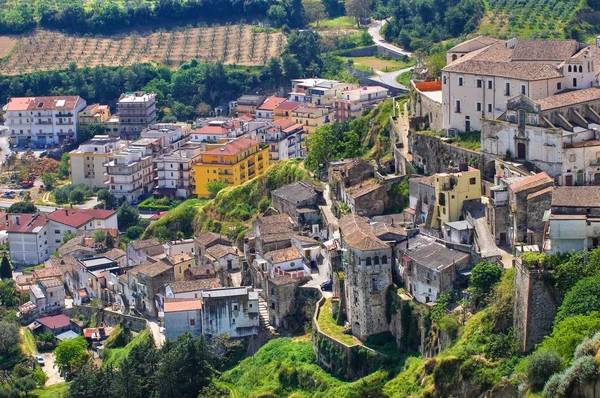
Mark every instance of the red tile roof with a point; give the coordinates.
(271, 103)
(27, 223)
(232, 148)
(42, 103)
(211, 130)
(174, 305)
(76, 218)
(55, 322)
(158, 215)
(531, 182)
(288, 106)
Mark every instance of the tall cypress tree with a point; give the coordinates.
(5, 268)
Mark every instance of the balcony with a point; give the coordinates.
(64, 114)
(251, 173)
(42, 122)
(595, 162)
(64, 123)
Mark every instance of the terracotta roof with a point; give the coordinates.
(531, 182)
(305, 109)
(208, 129)
(65, 263)
(145, 243)
(158, 215)
(271, 103)
(380, 229)
(363, 188)
(55, 322)
(569, 98)
(218, 251)
(207, 238)
(428, 180)
(174, 305)
(357, 232)
(114, 254)
(23, 279)
(28, 223)
(283, 255)
(201, 271)
(232, 148)
(582, 144)
(576, 197)
(283, 280)
(43, 103)
(544, 50)
(151, 269)
(76, 218)
(283, 123)
(180, 258)
(184, 286)
(47, 272)
(540, 193)
(51, 282)
(297, 192)
(288, 106)
(481, 39)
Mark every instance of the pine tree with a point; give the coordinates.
(5, 268)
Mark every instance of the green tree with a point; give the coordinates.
(89, 131)
(569, 332)
(108, 199)
(582, 299)
(127, 216)
(71, 356)
(49, 179)
(134, 232)
(541, 365)
(214, 187)
(484, 276)
(9, 337)
(22, 207)
(77, 195)
(63, 167)
(358, 9)
(99, 236)
(5, 268)
(8, 294)
(89, 383)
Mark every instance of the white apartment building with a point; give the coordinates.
(130, 172)
(135, 111)
(32, 238)
(352, 103)
(284, 136)
(317, 91)
(232, 311)
(174, 171)
(170, 135)
(484, 73)
(88, 162)
(558, 135)
(43, 121)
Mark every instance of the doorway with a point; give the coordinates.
(521, 150)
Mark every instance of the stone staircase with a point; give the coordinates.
(263, 313)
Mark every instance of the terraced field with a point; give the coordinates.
(230, 44)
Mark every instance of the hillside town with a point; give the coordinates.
(358, 248)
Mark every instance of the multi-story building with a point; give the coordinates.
(174, 171)
(234, 163)
(284, 137)
(452, 189)
(312, 117)
(484, 73)
(211, 133)
(246, 105)
(130, 171)
(352, 103)
(265, 110)
(43, 121)
(232, 311)
(94, 113)
(285, 109)
(170, 135)
(88, 162)
(557, 134)
(136, 111)
(317, 91)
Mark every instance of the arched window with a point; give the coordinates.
(368, 261)
(570, 69)
(383, 259)
(453, 57)
(376, 260)
(580, 69)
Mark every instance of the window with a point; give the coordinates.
(235, 307)
(57, 231)
(570, 68)
(479, 83)
(522, 116)
(580, 69)
(478, 106)
(444, 79)
(192, 322)
(574, 82)
(457, 107)
(383, 259)
(490, 109)
(368, 261)
(473, 181)
(507, 88)
(572, 157)
(523, 89)
(559, 86)
(232, 320)
(460, 81)
(376, 260)
(490, 84)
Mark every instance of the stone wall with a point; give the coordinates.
(427, 113)
(358, 73)
(435, 156)
(109, 318)
(535, 305)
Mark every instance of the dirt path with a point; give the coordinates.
(49, 358)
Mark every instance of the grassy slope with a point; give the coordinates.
(54, 391)
(113, 357)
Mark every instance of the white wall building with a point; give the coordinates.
(174, 171)
(88, 162)
(135, 111)
(231, 311)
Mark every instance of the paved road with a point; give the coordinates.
(388, 78)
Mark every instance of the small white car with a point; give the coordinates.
(40, 360)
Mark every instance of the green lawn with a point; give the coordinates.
(368, 64)
(28, 343)
(112, 357)
(404, 78)
(59, 390)
(328, 326)
(343, 22)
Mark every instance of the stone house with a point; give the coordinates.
(117, 255)
(203, 271)
(181, 316)
(573, 223)
(47, 296)
(347, 173)
(286, 262)
(68, 266)
(367, 267)
(181, 246)
(232, 311)
(180, 263)
(139, 251)
(299, 200)
(144, 283)
(429, 268)
(273, 232)
(223, 257)
(190, 288)
(281, 297)
(206, 240)
(421, 199)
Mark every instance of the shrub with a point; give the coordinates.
(449, 325)
(541, 365)
(484, 276)
(134, 232)
(587, 346)
(582, 299)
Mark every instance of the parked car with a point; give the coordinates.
(40, 360)
(327, 286)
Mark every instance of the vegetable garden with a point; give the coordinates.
(231, 44)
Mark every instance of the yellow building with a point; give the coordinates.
(285, 109)
(235, 162)
(180, 263)
(452, 190)
(94, 113)
(88, 161)
(311, 118)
